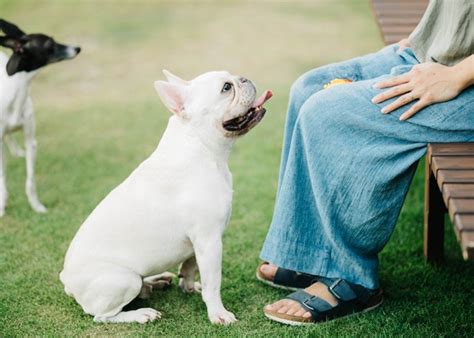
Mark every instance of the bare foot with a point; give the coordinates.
(293, 308)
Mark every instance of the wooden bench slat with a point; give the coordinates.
(396, 30)
(453, 190)
(411, 6)
(464, 223)
(451, 149)
(454, 176)
(408, 22)
(398, 12)
(397, 1)
(464, 162)
(467, 245)
(460, 206)
(407, 3)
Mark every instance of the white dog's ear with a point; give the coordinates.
(174, 79)
(172, 96)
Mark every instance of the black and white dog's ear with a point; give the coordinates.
(10, 29)
(13, 35)
(8, 42)
(15, 64)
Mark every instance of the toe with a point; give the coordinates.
(268, 270)
(300, 312)
(284, 309)
(276, 306)
(293, 309)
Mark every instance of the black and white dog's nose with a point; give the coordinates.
(77, 49)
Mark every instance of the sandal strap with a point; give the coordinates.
(351, 298)
(345, 291)
(293, 279)
(313, 304)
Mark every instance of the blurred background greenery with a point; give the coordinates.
(98, 117)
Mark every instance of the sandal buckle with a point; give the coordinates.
(305, 303)
(332, 288)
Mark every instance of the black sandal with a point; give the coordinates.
(352, 298)
(287, 279)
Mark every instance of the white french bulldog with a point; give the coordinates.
(172, 209)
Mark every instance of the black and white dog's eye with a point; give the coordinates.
(227, 87)
(49, 45)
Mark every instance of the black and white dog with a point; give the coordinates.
(30, 53)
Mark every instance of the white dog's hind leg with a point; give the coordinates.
(159, 281)
(3, 186)
(103, 289)
(187, 274)
(30, 145)
(13, 146)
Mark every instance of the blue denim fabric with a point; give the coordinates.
(346, 167)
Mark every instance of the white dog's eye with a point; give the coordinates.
(227, 87)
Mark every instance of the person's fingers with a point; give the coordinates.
(401, 101)
(395, 91)
(414, 109)
(394, 81)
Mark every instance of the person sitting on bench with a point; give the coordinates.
(349, 154)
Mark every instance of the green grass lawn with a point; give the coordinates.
(98, 117)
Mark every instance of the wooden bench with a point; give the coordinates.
(449, 181)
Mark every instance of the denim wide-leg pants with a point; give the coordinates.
(346, 167)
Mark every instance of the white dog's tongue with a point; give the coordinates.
(262, 99)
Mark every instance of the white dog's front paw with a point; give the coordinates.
(39, 207)
(222, 317)
(189, 286)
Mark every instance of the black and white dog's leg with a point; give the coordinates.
(187, 275)
(3, 168)
(209, 259)
(30, 146)
(13, 146)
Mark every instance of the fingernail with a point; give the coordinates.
(374, 100)
(383, 111)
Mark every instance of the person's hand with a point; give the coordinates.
(427, 83)
(402, 44)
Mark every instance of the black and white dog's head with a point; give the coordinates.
(32, 51)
